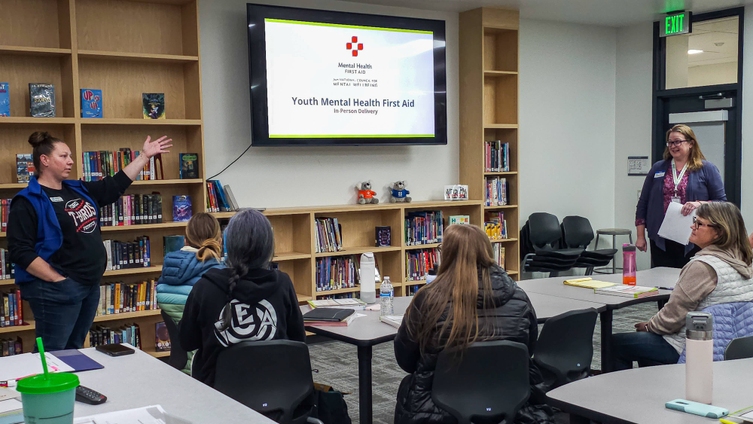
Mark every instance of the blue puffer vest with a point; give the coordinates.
(731, 320)
(180, 271)
(49, 234)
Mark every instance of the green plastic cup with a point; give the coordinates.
(48, 399)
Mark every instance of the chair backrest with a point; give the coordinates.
(267, 376)
(178, 356)
(544, 230)
(577, 231)
(565, 346)
(488, 383)
(739, 348)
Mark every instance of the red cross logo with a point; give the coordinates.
(354, 46)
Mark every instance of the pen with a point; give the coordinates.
(665, 288)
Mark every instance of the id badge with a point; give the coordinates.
(675, 199)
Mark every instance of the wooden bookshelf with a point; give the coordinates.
(489, 111)
(103, 44)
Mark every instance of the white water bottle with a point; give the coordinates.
(367, 274)
(699, 357)
(386, 294)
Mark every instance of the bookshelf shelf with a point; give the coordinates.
(135, 121)
(12, 186)
(493, 74)
(35, 51)
(423, 246)
(151, 183)
(141, 227)
(28, 120)
(163, 58)
(290, 256)
(303, 298)
(337, 291)
(223, 215)
(507, 240)
(156, 354)
(30, 325)
(358, 250)
(134, 271)
(501, 207)
(501, 126)
(127, 315)
(500, 174)
(7, 282)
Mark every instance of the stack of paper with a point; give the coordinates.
(11, 409)
(625, 290)
(147, 415)
(393, 320)
(588, 283)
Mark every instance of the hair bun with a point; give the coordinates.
(38, 138)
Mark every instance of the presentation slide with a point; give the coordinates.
(345, 81)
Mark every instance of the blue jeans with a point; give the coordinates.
(63, 311)
(646, 348)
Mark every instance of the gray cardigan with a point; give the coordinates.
(703, 184)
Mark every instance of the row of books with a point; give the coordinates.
(7, 268)
(423, 228)
(499, 254)
(419, 262)
(11, 309)
(336, 273)
(128, 254)
(132, 209)
(220, 198)
(25, 168)
(41, 100)
(328, 235)
(496, 156)
(10, 347)
(495, 225)
(496, 191)
(103, 163)
(127, 333)
(117, 298)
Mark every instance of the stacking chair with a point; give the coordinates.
(739, 348)
(543, 236)
(271, 377)
(565, 347)
(578, 233)
(487, 383)
(178, 356)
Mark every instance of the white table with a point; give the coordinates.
(638, 395)
(138, 380)
(659, 277)
(365, 332)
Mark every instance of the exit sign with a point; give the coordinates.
(675, 24)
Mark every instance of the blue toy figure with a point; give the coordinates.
(399, 193)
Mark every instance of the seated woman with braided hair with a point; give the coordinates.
(244, 301)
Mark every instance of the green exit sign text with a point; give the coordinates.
(675, 24)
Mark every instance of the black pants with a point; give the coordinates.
(673, 256)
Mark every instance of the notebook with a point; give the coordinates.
(327, 314)
(588, 283)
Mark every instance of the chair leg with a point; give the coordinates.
(590, 270)
(554, 274)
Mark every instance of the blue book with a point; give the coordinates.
(91, 103)
(4, 99)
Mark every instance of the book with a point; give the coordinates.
(336, 303)
(327, 314)
(4, 99)
(189, 165)
(383, 236)
(161, 337)
(393, 320)
(343, 323)
(173, 243)
(588, 283)
(153, 105)
(231, 197)
(91, 103)
(24, 167)
(182, 209)
(460, 219)
(42, 100)
(624, 290)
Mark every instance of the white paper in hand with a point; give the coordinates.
(676, 226)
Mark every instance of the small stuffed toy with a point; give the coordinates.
(399, 193)
(366, 194)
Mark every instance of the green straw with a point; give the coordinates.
(40, 346)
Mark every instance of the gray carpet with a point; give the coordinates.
(336, 364)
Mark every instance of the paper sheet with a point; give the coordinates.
(17, 366)
(676, 226)
(153, 414)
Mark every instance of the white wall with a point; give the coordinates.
(297, 176)
(716, 73)
(633, 121)
(567, 120)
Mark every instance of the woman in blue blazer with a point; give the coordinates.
(683, 176)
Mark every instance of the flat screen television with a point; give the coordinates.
(332, 78)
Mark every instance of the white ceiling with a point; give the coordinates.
(614, 13)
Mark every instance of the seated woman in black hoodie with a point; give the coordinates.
(472, 299)
(245, 301)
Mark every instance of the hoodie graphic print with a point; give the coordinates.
(247, 323)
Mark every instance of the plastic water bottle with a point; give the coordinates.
(699, 357)
(367, 273)
(628, 264)
(386, 294)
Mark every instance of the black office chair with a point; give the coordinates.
(544, 252)
(739, 348)
(489, 384)
(578, 233)
(178, 356)
(272, 377)
(565, 347)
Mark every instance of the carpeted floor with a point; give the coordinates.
(335, 363)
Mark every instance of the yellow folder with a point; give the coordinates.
(588, 283)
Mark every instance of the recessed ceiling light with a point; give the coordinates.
(694, 51)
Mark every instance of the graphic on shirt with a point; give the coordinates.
(248, 323)
(83, 214)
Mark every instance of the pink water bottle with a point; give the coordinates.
(628, 264)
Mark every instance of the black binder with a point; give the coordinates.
(327, 314)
